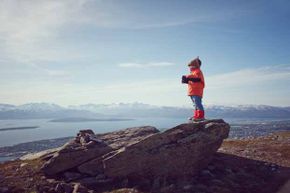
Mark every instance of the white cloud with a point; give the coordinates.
(30, 29)
(250, 76)
(228, 88)
(145, 65)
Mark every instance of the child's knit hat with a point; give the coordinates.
(195, 61)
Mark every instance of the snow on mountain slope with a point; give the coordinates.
(6, 107)
(40, 107)
(141, 110)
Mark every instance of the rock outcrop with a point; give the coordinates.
(140, 151)
(179, 151)
(87, 146)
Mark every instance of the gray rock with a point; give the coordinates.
(127, 137)
(41, 154)
(140, 152)
(62, 161)
(184, 149)
(72, 155)
(85, 156)
(93, 167)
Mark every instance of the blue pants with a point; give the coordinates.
(197, 102)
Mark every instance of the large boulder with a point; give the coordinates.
(140, 151)
(72, 155)
(182, 150)
(87, 146)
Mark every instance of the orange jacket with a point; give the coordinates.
(196, 88)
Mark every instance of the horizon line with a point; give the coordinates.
(118, 103)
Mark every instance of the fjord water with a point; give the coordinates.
(51, 130)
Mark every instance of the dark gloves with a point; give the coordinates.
(184, 80)
(194, 79)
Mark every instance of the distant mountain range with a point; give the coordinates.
(134, 110)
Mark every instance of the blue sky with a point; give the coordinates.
(110, 51)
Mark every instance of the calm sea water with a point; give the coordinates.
(50, 130)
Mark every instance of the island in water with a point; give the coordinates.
(18, 128)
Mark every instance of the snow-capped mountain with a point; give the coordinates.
(145, 110)
(114, 108)
(135, 110)
(248, 111)
(40, 107)
(6, 107)
(41, 110)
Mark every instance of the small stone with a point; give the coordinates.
(23, 164)
(84, 139)
(78, 188)
(50, 180)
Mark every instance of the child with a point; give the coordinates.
(196, 84)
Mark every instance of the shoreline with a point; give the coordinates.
(18, 128)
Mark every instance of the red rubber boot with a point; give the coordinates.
(199, 116)
(194, 116)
